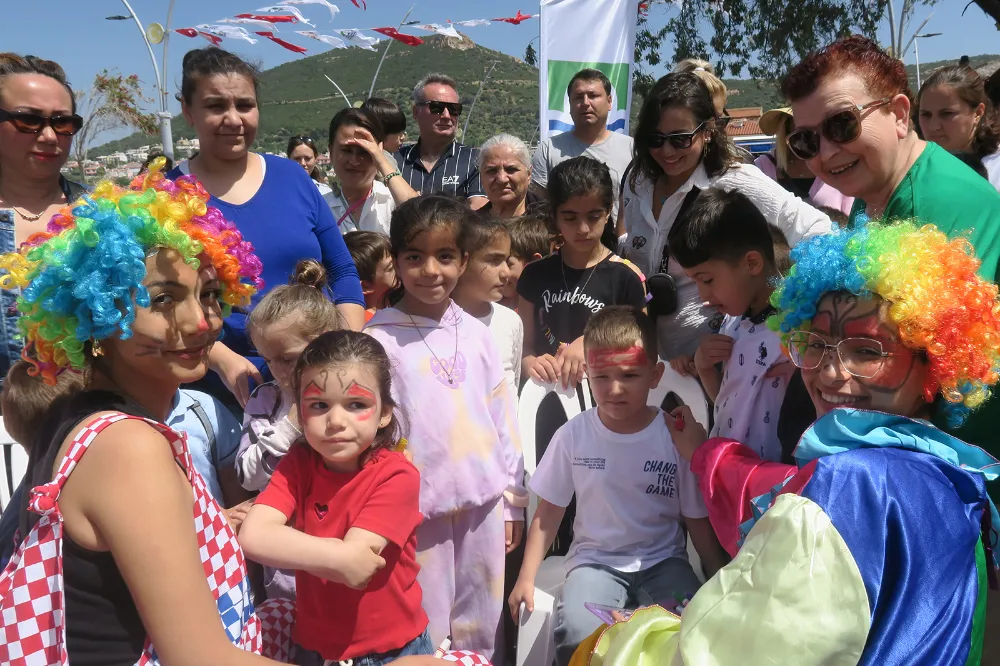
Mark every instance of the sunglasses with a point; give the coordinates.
(678, 140)
(32, 123)
(303, 139)
(437, 108)
(840, 128)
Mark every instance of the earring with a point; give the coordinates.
(96, 350)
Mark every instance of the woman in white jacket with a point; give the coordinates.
(680, 147)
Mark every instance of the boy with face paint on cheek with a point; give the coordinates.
(631, 486)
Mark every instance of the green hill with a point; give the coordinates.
(296, 99)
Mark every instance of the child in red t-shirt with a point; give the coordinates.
(342, 511)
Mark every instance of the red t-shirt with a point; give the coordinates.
(383, 497)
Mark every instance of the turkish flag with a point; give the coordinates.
(270, 19)
(409, 40)
(187, 32)
(516, 20)
(281, 42)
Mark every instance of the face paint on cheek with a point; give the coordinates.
(366, 414)
(150, 349)
(601, 359)
(893, 374)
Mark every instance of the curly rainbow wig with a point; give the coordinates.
(935, 298)
(81, 278)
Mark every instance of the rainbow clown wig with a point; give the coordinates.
(81, 278)
(936, 299)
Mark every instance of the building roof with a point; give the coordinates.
(744, 122)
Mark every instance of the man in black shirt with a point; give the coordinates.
(437, 163)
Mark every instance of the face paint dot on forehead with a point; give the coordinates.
(607, 358)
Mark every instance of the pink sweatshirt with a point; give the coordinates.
(462, 433)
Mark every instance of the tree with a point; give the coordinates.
(112, 103)
(763, 37)
(530, 57)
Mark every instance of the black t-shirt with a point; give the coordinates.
(563, 298)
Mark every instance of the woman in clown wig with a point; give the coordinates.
(135, 563)
(876, 547)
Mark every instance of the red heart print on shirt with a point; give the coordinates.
(321, 510)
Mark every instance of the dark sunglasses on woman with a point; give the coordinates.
(437, 108)
(677, 140)
(840, 128)
(32, 123)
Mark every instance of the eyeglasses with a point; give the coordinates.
(32, 123)
(437, 108)
(840, 128)
(677, 140)
(302, 139)
(861, 357)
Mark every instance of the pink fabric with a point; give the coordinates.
(820, 194)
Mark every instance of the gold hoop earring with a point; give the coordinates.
(96, 350)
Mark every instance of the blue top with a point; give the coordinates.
(286, 220)
(213, 435)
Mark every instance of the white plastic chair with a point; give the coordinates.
(687, 389)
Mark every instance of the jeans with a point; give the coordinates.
(595, 583)
(419, 645)
(10, 343)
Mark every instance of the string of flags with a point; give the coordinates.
(264, 23)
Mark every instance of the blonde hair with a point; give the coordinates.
(303, 297)
(706, 72)
(781, 145)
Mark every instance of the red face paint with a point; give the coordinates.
(312, 390)
(203, 326)
(600, 359)
(367, 414)
(356, 390)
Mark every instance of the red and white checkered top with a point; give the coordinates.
(32, 601)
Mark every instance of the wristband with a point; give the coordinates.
(386, 178)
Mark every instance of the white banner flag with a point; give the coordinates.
(226, 32)
(247, 21)
(333, 8)
(357, 37)
(582, 34)
(438, 28)
(472, 23)
(285, 9)
(335, 42)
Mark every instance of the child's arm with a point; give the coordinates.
(263, 443)
(541, 534)
(266, 538)
(709, 549)
(714, 349)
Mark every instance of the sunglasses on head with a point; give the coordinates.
(32, 123)
(303, 139)
(840, 128)
(437, 108)
(677, 140)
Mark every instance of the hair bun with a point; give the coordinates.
(309, 273)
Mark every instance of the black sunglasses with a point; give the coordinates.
(840, 128)
(678, 140)
(303, 139)
(437, 108)
(32, 123)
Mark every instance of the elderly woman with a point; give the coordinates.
(505, 171)
(875, 548)
(851, 103)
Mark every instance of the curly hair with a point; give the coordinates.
(940, 305)
(882, 74)
(81, 278)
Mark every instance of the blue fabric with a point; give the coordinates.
(287, 220)
(10, 341)
(421, 645)
(912, 523)
(183, 419)
(848, 429)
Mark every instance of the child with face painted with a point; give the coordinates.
(635, 494)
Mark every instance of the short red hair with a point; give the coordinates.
(882, 74)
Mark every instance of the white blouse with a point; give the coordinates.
(373, 215)
(646, 235)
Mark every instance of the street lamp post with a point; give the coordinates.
(916, 49)
(164, 116)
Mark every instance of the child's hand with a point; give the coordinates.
(687, 433)
(237, 514)
(569, 363)
(684, 366)
(524, 591)
(357, 564)
(514, 531)
(543, 368)
(714, 349)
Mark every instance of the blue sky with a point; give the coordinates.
(75, 34)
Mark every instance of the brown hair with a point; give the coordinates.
(971, 89)
(882, 74)
(12, 64)
(346, 347)
(618, 327)
(529, 235)
(209, 61)
(26, 400)
(304, 297)
(367, 249)
(351, 117)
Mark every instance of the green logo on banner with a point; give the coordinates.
(562, 71)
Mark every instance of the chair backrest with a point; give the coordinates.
(529, 404)
(687, 390)
(13, 465)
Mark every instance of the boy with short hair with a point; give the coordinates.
(372, 256)
(482, 285)
(724, 244)
(529, 240)
(635, 495)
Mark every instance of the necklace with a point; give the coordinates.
(27, 216)
(593, 269)
(450, 374)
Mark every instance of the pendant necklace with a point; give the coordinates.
(449, 374)
(593, 269)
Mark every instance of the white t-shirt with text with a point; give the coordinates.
(631, 492)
